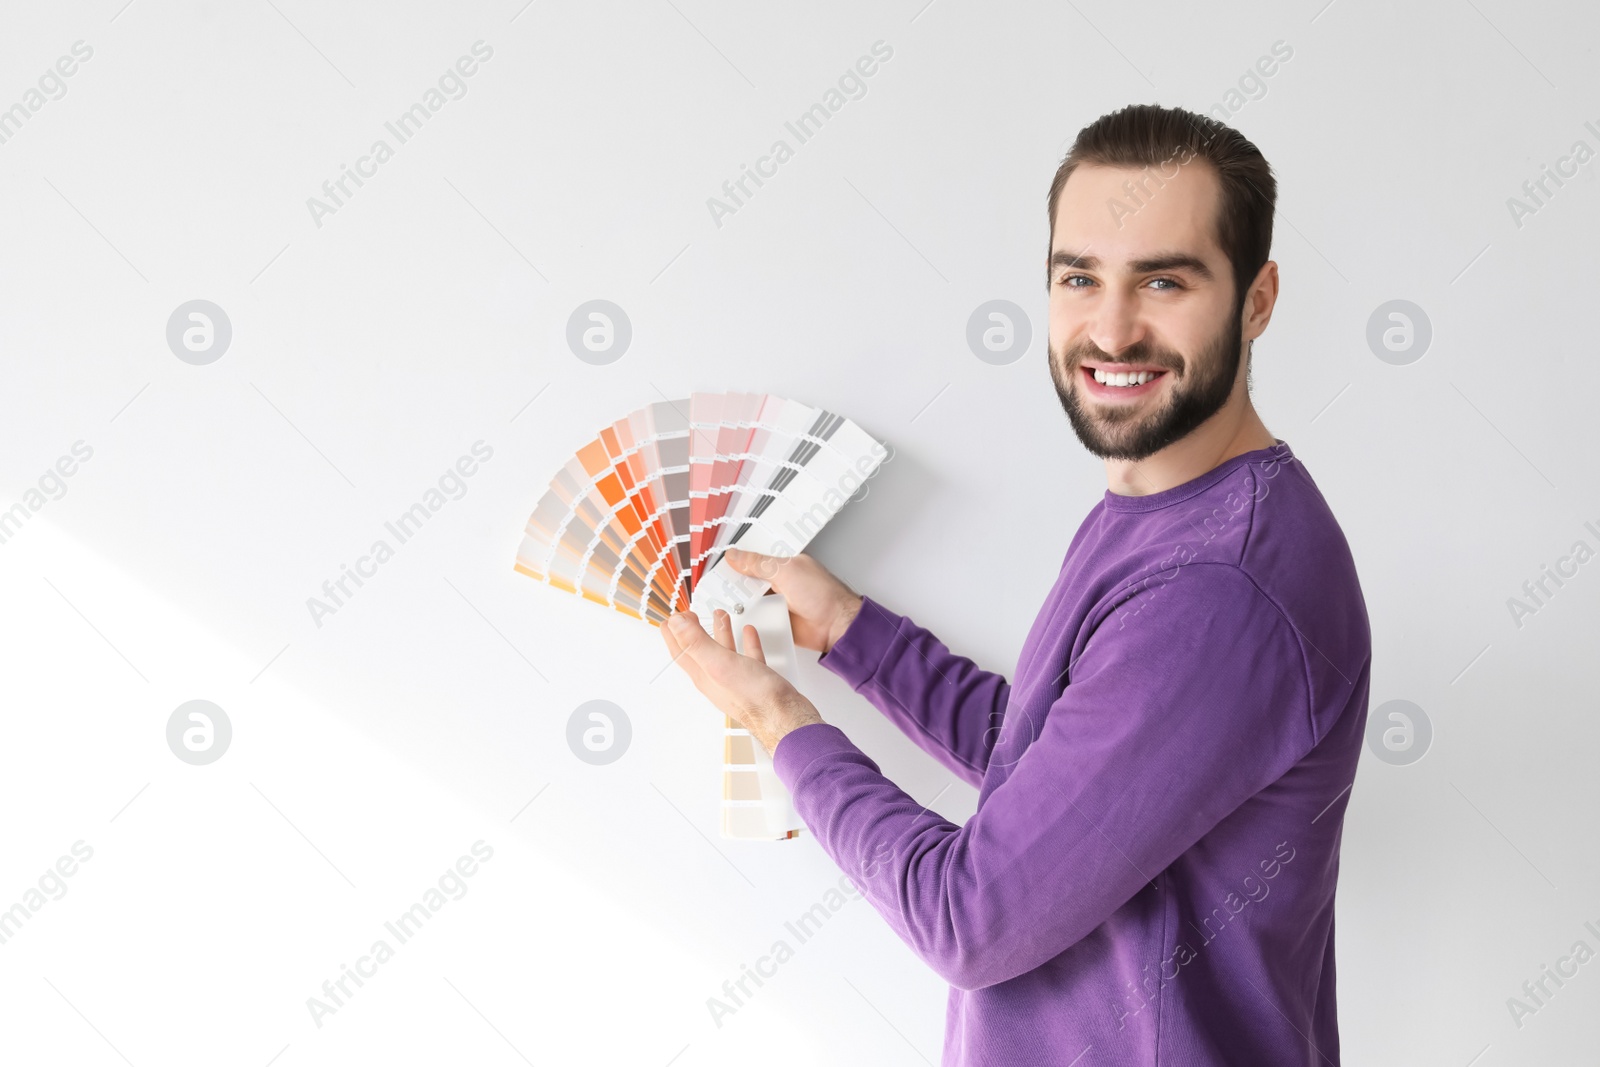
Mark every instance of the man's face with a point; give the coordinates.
(1141, 287)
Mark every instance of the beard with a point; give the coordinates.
(1197, 389)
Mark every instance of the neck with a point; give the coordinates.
(1218, 440)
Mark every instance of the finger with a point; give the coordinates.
(683, 629)
(754, 564)
(722, 628)
(752, 644)
(666, 636)
(686, 637)
(697, 645)
(680, 655)
(717, 664)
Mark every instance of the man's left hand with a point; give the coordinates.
(748, 691)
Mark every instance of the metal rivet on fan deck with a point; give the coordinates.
(738, 609)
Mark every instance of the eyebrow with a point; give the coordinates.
(1147, 265)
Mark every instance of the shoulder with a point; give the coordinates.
(1297, 554)
(1257, 550)
(1205, 634)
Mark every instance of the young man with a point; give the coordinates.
(1149, 877)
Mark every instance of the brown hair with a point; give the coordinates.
(1148, 135)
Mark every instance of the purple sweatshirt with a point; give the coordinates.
(1149, 876)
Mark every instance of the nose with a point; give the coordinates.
(1116, 323)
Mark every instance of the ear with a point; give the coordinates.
(1259, 301)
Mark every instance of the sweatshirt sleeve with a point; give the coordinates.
(1175, 713)
(944, 702)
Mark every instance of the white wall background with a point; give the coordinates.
(429, 312)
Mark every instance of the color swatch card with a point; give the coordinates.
(639, 518)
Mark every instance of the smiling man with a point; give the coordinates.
(1149, 876)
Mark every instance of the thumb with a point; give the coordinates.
(707, 654)
(692, 637)
(686, 630)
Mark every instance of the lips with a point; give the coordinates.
(1124, 368)
(1121, 392)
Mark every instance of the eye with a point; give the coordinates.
(1170, 281)
(1069, 279)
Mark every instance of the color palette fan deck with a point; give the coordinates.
(639, 518)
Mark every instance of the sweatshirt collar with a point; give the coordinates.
(1274, 454)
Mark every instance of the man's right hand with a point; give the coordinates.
(821, 607)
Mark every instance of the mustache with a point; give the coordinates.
(1138, 355)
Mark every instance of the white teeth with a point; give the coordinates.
(1123, 379)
